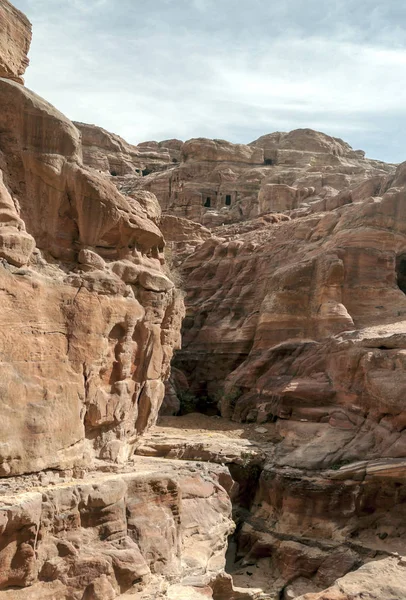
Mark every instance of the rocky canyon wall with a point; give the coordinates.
(291, 252)
(90, 318)
(15, 40)
(295, 321)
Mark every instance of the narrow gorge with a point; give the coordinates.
(203, 362)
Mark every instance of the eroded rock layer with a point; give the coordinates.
(292, 255)
(295, 317)
(295, 320)
(98, 537)
(15, 40)
(214, 182)
(301, 324)
(90, 318)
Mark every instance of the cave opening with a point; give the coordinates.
(268, 162)
(146, 172)
(228, 200)
(401, 272)
(207, 204)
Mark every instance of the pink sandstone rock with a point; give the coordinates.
(15, 40)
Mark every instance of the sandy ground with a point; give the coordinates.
(216, 426)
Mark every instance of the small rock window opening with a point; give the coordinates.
(113, 173)
(401, 272)
(207, 204)
(146, 172)
(228, 200)
(268, 161)
(174, 160)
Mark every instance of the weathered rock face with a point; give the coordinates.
(380, 580)
(99, 317)
(302, 323)
(89, 321)
(15, 40)
(109, 153)
(214, 182)
(217, 182)
(90, 317)
(295, 327)
(96, 538)
(279, 300)
(296, 318)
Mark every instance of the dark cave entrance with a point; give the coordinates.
(401, 272)
(228, 200)
(207, 204)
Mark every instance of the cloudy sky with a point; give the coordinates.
(157, 69)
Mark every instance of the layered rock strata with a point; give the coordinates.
(381, 580)
(90, 318)
(301, 324)
(295, 327)
(106, 534)
(295, 320)
(110, 154)
(15, 40)
(84, 284)
(215, 182)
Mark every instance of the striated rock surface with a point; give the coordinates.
(301, 323)
(89, 321)
(304, 171)
(89, 317)
(381, 580)
(215, 182)
(109, 153)
(99, 537)
(291, 252)
(295, 323)
(15, 40)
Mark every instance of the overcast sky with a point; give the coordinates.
(157, 69)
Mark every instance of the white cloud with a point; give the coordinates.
(177, 68)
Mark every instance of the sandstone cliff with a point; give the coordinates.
(295, 320)
(15, 40)
(299, 325)
(291, 252)
(89, 322)
(83, 275)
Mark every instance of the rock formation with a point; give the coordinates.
(90, 318)
(295, 319)
(112, 155)
(291, 252)
(380, 580)
(301, 323)
(15, 40)
(87, 280)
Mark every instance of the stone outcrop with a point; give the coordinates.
(291, 252)
(110, 154)
(217, 182)
(295, 300)
(380, 580)
(83, 274)
(301, 323)
(90, 317)
(15, 40)
(99, 537)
